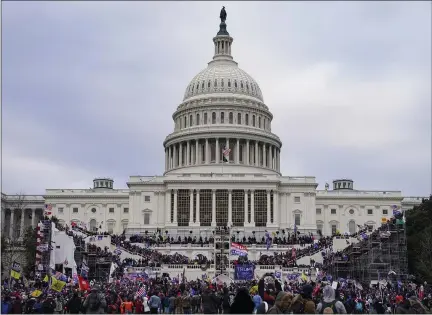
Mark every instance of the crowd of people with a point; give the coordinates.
(267, 295)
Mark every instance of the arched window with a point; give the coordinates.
(264, 123)
(253, 120)
(247, 86)
(93, 225)
(259, 122)
(190, 121)
(213, 118)
(352, 227)
(297, 219)
(222, 83)
(239, 118)
(208, 84)
(205, 118)
(241, 84)
(197, 119)
(184, 122)
(247, 119)
(202, 85)
(235, 83)
(229, 83)
(230, 117)
(215, 83)
(222, 118)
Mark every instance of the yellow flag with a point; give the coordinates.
(57, 285)
(45, 279)
(36, 293)
(303, 277)
(15, 274)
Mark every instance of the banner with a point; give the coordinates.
(244, 272)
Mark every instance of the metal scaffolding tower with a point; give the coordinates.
(222, 249)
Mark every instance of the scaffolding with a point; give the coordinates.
(374, 259)
(222, 248)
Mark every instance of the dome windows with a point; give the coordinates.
(253, 120)
(235, 83)
(215, 83)
(239, 119)
(202, 85)
(198, 118)
(213, 118)
(259, 122)
(230, 118)
(229, 83)
(247, 86)
(190, 121)
(247, 119)
(205, 118)
(222, 83)
(241, 85)
(222, 116)
(208, 84)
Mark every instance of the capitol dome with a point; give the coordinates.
(223, 77)
(222, 124)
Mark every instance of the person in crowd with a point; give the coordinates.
(242, 303)
(209, 302)
(329, 300)
(73, 306)
(95, 302)
(154, 303)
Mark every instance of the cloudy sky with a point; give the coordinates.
(89, 87)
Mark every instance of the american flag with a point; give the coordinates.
(141, 292)
(226, 152)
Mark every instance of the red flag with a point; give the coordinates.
(83, 284)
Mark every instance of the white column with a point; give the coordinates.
(166, 159)
(191, 202)
(188, 153)
(168, 206)
(207, 157)
(228, 146)
(213, 207)
(238, 151)
(22, 222)
(180, 154)
(256, 153)
(268, 207)
(264, 156)
(252, 208)
(217, 150)
(197, 220)
(276, 216)
(229, 207)
(271, 157)
(12, 224)
(247, 152)
(170, 157)
(175, 206)
(246, 221)
(197, 152)
(174, 155)
(33, 217)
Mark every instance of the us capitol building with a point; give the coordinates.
(222, 167)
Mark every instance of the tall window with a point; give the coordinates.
(184, 122)
(197, 119)
(172, 207)
(222, 118)
(320, 227)
(205, 207)
(183, 207)
(259, 122)
(247, 119)
(264, 123)
(230, 117)
(238, 216)
(352, 227)
(205, 118)
(221, 207)
(260, 197)
(297, 219)
(253, 120)
(239, 118)
(213, 118)
(190, 121)
(333, 229)
(110, 227)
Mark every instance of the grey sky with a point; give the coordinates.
(89, 87)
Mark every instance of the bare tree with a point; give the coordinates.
(12, 243)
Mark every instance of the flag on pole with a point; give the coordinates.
(48, 209)
(225, 153)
